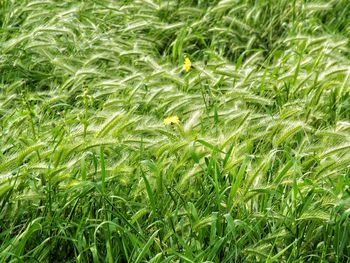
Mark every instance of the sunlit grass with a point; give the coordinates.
(174, 131)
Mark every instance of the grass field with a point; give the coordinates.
(114, 150)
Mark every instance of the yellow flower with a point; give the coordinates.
(172, 120)
(187, 65)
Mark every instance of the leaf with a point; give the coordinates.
(150, 193)
(146, 247)
(210, 146)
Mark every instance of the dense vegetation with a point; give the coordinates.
(256, 170)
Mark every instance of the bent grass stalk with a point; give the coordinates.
(194, 131)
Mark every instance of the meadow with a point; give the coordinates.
(174, 131)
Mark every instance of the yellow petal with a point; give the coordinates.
(172, 120)
(187, 65)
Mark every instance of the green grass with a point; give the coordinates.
(258, 170)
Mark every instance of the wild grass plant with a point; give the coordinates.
(114, 150)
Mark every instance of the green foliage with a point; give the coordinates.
(257, 170)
